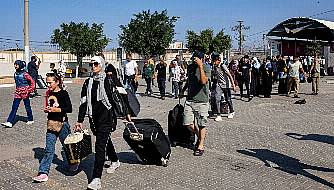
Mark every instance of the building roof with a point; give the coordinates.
(304, 28)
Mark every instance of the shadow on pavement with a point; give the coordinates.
(128, 157)
(62, 166)
(287, 164)
(20, 118)
(313, 137)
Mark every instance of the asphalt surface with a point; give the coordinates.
(269, 144)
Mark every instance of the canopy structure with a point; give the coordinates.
(304, 28)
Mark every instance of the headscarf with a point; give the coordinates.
(101, 93)
(21, 65)
(256, 63)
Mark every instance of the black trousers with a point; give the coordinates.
(103, 147)
(162, 86)
(243, 81)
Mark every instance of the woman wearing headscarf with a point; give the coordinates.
(96, 102)
(25, 85)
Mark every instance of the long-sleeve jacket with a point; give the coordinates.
(24, 85)
(102, 118)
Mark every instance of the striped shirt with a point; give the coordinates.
(222, 78)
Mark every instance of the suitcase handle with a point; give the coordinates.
(134, 136)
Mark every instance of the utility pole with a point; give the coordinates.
(26, 31)
(240, 36)
(264, 44)
(239, 28)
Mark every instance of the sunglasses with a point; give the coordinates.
(95, 64)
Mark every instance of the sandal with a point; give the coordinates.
(198, 152)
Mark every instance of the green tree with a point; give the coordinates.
(80, 39)
(148, 34)
(313, 48)
(207, 42)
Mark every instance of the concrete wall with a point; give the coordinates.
(7, 58)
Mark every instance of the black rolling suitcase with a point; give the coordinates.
(147, 139)
(177, 132)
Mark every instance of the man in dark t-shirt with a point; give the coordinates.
(161, 77)
(197, 103)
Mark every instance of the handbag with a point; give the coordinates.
(55, 126)
(78, 146)
(117, 100)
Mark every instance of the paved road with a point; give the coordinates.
(270, 144)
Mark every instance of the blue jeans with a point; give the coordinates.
(175, 88)
(15, 106)
(51, 139)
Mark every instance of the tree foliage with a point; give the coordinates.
(80, 39)
(148, 34)
(207, 42)
(313, 48)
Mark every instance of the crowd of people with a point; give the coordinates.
(208, 81)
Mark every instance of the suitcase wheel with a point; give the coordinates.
(164, 162)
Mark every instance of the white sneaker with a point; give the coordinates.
(113, 167)
(7, 124)
(95, 184)
(230, 115)
(30, 122)
(219, 118)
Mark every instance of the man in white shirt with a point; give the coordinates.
(295, 68)
(130, 68)
(175, 76)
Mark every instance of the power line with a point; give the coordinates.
(19, 40)
(321, 13)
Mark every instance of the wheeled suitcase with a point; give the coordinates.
(177, 132)
(147, 139)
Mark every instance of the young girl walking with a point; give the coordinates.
(57, 105)
(24, 86)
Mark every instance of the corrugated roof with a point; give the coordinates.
(304, 28)
(329, 24)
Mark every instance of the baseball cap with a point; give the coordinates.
(198, 54)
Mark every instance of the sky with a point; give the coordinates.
(196, 15)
